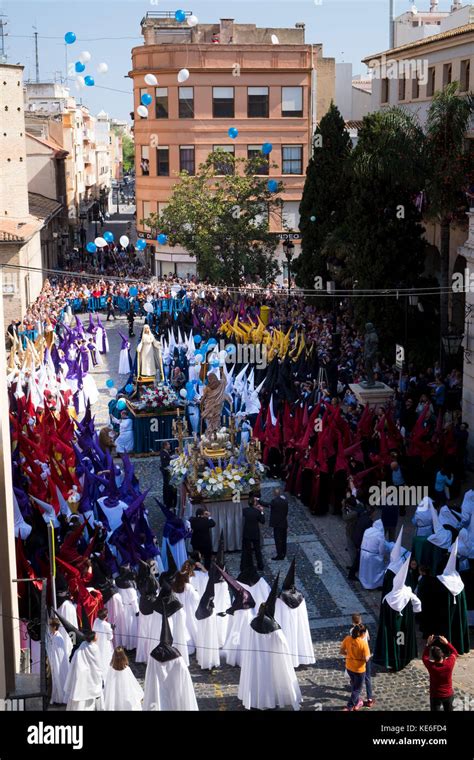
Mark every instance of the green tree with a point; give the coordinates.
(381, 239)
(128, 153)
(451, 169)
(221, 217)
(325, 195)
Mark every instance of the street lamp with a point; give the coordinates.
(288, 248)
(452, 343)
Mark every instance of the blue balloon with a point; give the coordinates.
(79, 67)
(230, 349)
(180, 16)
(212, 342)
(140, 244)
(69, 38)
(146, 99)
(89, 81)
(272, 185)
(267, 148)
(91, 247)
(121, 404)
(133, 291)
(198, 356)
(233, 132)
(109, 383)
(162, 238)
(109, 237)
(197, 339)
(214, 362)
(129, 388)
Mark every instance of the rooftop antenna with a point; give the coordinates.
(3, 55)
(36, 56)
(391, 24)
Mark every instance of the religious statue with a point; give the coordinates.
(149, 363)
(212, 403)
(371, 344)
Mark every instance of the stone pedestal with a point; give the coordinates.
(379, 395)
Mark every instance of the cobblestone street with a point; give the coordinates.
(319, 546)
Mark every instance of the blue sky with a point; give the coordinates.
(348, 29)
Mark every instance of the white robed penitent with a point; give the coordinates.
(168, 684)
(267, 675)
(105, 637)
(83, 686)
(292, 615)
(58, 657)
(372, 556)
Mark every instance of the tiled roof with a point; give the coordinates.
(14, 231)
(432, 39)
(50, 143)
(42, 207)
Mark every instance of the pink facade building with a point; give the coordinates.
(268, 83)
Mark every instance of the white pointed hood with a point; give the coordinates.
(425, 504)
(397, 554)
(400, 594)
(441, 537)
(450, 577)
(448, 517)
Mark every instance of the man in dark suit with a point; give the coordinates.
(253, 517)
(279, 522)
(169, 492)
(201, 539)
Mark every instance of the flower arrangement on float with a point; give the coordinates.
(160, 396)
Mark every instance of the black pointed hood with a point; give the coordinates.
(220, 558)
(206, 604)
(289, 593)
(265, 621)
(172, 566)
(78, 635)
(249, 576)
(125, 578)
(242, 599)
(165, 651)
(166, 602)
(148, 587)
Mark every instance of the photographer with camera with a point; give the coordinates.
(439, 658)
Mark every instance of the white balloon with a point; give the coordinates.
(80, 83)
(183, 393)
(148, 308)
(124, 241)
(85, 56)
(102, 68)
(100, 242)
(183, 75)
(192, 20)
(275, 40)
(112, 392)
(151, 80)
(142, 111)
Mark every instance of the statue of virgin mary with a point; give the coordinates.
(149, 363)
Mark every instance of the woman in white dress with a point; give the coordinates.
(122, 690)
(292, 615)
(267, 675)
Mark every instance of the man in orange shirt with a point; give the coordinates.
(357, 653)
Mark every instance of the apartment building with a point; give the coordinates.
(271, 91)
